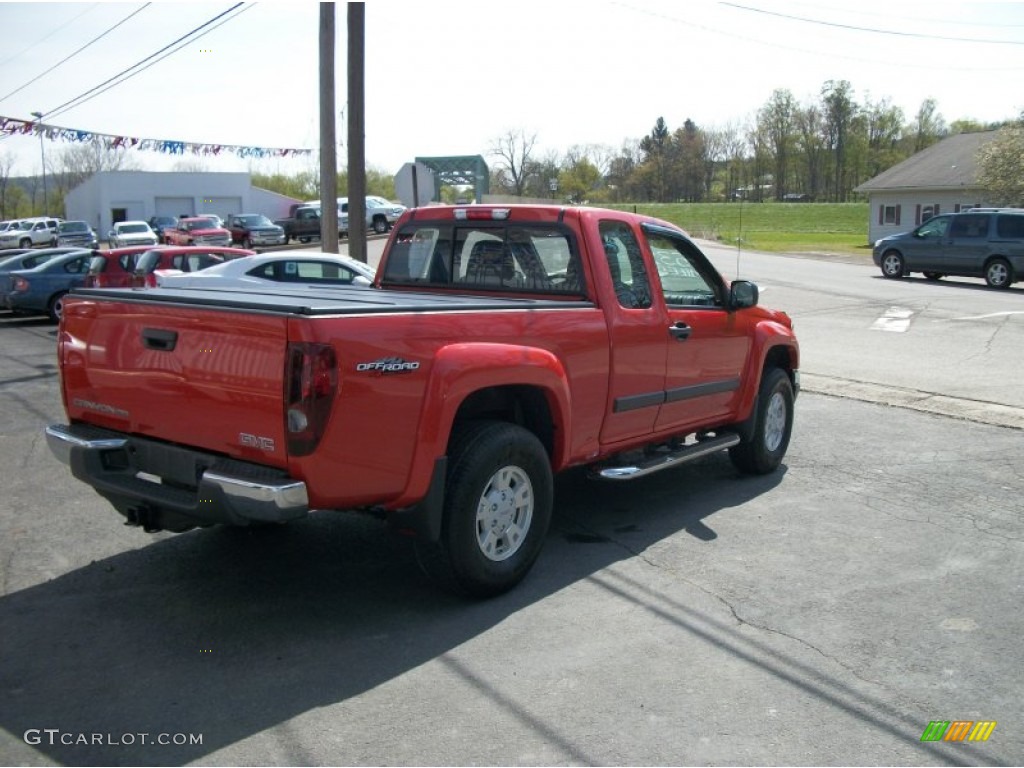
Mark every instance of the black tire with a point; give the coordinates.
(933, 276)
(497, 510)
(247, 243)
(998, 274)
(25, 243)
(893, 265)
(56, 306)
(773, 426)
(304, 239)
(380, 225)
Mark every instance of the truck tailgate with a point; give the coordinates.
(205, 378)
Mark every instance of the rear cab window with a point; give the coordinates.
(501, 257)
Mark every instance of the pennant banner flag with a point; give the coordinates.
(10, 126)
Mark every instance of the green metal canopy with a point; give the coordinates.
(465, 170)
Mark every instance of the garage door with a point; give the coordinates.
(222, 206)
(174, 206)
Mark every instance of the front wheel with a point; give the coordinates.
(380, 225)
(247, 243)
(497, 510)
(772, 427)
(892, 264)
(998, 273)
(933, 276)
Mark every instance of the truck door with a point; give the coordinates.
(708, 345)
(637, 330)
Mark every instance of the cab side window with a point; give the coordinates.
(684, 280)
(626, 265)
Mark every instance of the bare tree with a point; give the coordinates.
(513, 150)
(75, 164)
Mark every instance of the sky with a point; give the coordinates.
(449, 78)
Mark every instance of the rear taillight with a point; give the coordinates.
(311, 378)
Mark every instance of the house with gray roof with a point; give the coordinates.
(940, 179)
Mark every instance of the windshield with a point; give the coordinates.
(255, 221)
(133, 228)
(200, 224)
(74, 226)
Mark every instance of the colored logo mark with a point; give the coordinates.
(958, 730)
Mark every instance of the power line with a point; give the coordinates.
(919, 35)
(124, 74)
(47, 37)
(68, 58)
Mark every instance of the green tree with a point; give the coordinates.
(1001, 165)
(656, 147)
(579, 177)
(839, 109)
(777, 120)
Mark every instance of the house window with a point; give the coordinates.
(891, 215)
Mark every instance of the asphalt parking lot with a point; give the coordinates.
(824, 615)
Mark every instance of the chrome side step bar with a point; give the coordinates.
(665, 461)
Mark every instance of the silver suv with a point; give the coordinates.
(979, 242)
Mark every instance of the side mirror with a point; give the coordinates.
(743, 294)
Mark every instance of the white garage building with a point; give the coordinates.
(112, 196)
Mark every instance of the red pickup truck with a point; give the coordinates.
(498, 346)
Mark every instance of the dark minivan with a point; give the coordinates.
(978, 242)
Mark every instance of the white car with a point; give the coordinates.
(129, 233)
(284, 268)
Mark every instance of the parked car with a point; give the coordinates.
(41, 290)
(77, 233)
(249, 229)
(283, 268)
(114, 268)
(6, 253)
(978, 242)
(128, 233)
(160, 223)
(214, 218)
(28, 258)
(197, 230)
(179, 259)
(31, 232)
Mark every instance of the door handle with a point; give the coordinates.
(680, 331)
(159, 339)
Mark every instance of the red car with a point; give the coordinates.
(114, 268)
(178, 259)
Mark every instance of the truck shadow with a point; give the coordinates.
(229, 632)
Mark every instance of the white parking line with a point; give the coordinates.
(991, 314)
(895, 320)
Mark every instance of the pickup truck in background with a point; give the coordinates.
(249, 229)
(304, 224)
(498, 346)
(197, 230)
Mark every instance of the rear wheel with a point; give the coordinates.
(998, 273)
(892, 264)
(497, 510)
(772, 428)
(56, 306)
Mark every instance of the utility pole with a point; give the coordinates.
(356, 132)
(328, 135)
